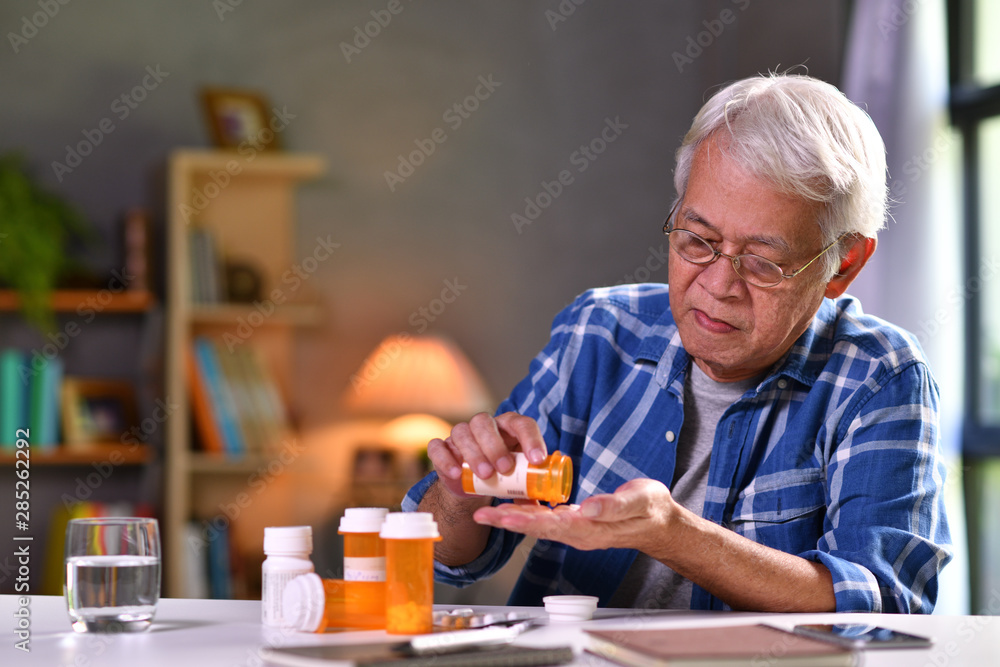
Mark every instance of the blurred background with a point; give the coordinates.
(446, 173)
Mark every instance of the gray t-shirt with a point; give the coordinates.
(649, 584)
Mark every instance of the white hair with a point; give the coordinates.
(804, 136)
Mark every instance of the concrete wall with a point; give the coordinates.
(561, 74)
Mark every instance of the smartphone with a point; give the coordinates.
(862, 636)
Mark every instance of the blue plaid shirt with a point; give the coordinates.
(832, 457)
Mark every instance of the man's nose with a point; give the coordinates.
(721, 279)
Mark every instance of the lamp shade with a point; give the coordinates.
(417, 374)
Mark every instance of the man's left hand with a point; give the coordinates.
(641, 514)
(635, 516)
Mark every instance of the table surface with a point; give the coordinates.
(229, 633)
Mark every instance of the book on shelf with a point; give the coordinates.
(236, 384)
(220, 575)
(208, 560)
(45, 404)
(207, 275)
(29, 399)
(195, 561)
(236, 404)
(723, 646)
(12, 391)
(223, 405)
(195, 281)
(207, 424)
(270, 414)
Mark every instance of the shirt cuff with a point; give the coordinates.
(417, 492)
(854, 586)
(479, 568)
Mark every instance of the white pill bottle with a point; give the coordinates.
(287, 550)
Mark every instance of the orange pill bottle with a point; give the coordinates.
(409, 572)
(364, 562)
(311, 604)
(550, 481)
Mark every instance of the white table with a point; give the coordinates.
(228, 633)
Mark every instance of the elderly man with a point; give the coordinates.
(746, 438)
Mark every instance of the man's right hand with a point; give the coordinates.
(485, 443)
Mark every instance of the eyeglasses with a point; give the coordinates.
(753, 269)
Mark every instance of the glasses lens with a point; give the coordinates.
(690, 246)
(759, 271)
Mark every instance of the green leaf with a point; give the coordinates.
(36, 228)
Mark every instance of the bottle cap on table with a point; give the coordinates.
(409, 526)
(362, 519)
(569, 608)
(302, 602)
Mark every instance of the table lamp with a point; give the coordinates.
(420, 383)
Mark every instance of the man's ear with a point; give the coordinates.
(858, 254)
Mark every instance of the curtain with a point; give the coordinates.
(896, 68)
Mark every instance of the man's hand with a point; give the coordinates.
(635, 516)
(642, 515)
(485, 443)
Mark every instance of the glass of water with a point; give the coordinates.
(112, 573)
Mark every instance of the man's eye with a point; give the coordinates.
(764, 254)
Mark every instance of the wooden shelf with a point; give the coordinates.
(213, 464)
(84, 455)
(248, 208)
(294, 166)
(293, 314)
(104, 301)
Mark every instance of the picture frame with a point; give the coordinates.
(239, 119)
(96, 410)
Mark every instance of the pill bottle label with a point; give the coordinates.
(273, 587)
(513, 484)
(364, 569)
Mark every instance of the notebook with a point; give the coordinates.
(715, 647)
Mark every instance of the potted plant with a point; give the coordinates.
(36, 228)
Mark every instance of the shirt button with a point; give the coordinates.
(670, 436)
(782, 383)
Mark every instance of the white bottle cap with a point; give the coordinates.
(302, 603)
(288, 540)
(409, 526)
(362, 519)
(569, 608)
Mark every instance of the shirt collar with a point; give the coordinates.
(663, 347)
(808, 356)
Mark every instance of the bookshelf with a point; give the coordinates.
(120, 302)
(247, 208)
(85, 455)
(101, 334)
(64, 301)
